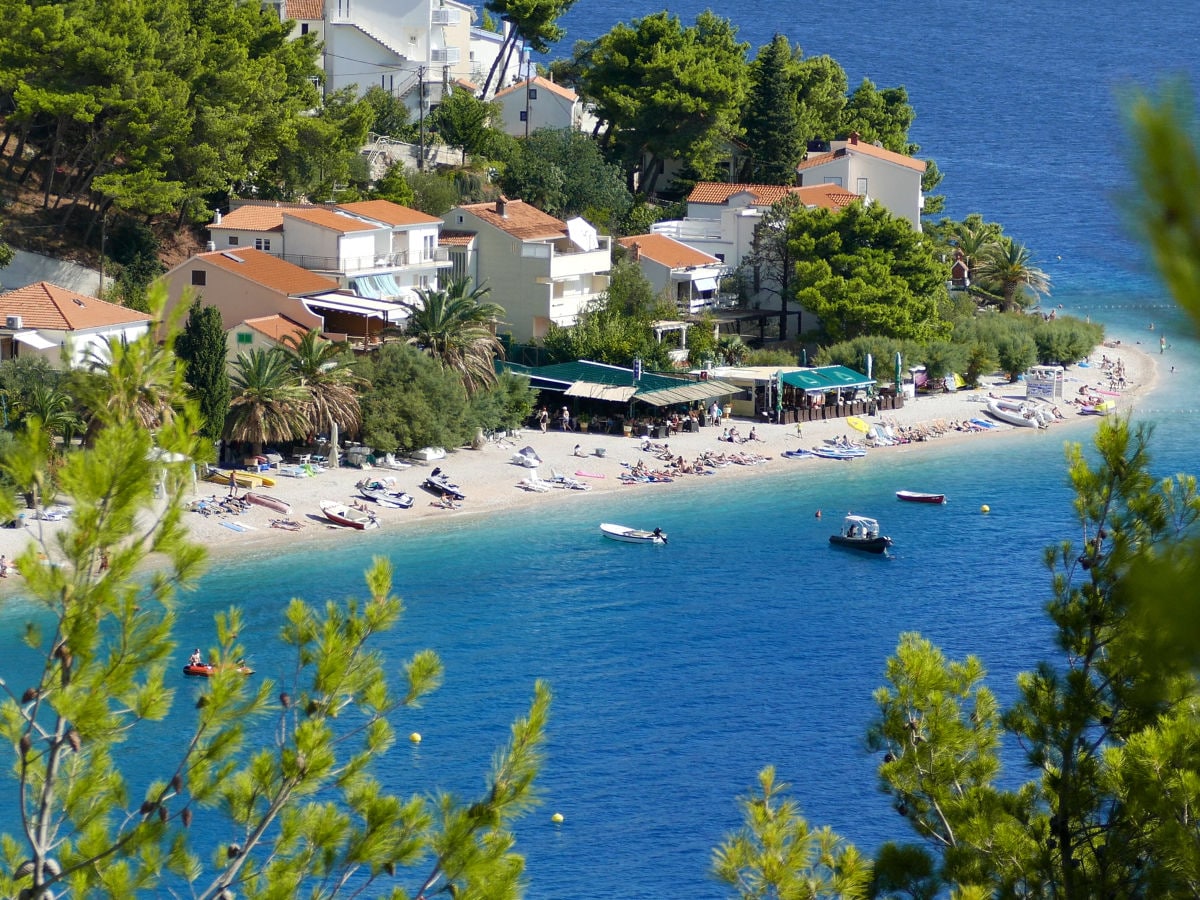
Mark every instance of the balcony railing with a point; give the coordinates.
(401, 259)
(447, 16)
(448, 56)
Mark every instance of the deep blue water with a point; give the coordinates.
(680, 671)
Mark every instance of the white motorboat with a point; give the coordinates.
(383, 491)
(861, 533)
(1022, 415)
(632, 535)
(438, 483)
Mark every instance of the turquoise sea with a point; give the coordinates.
(680, 671)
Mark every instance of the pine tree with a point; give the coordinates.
(771, 122)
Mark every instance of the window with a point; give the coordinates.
(303, 30)
(233, 240)
(533, 93)
(198, 276)
(862, 186)
(263, 244)
(460, 220)
(245, 338)
(524, 115)
(837, 181)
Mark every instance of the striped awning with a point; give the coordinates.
(593, 391)
(688, 392)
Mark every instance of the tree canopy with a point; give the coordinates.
(666, 91)
(866, 271)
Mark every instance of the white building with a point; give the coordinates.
(688, 277)
(374, 249)
(538, 103)
(41, 320)
(882, 176)
(540, 269)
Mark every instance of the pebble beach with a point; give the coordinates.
(492, 481)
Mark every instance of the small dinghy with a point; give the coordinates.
(632, 535)
(920, 497)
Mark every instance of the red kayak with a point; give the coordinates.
(207, 670)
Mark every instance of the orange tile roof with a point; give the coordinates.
(267, 270)
(52, 308)
(455, 238)
(668, 251)
(330, 219)
(538, 81)
(251, 218)
(867, 150)
(389, 213)
(522, 221)
(715, 192)
(276, 327)
(305, 9)
(826, 196)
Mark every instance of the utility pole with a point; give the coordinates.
(421, 113)
(103, 236)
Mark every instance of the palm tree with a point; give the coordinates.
(56, 410)
(455, 327)
(324, 371)
(732, 350)
(1006, 267)
(269, 402)
(141, 381)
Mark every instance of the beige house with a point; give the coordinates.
(538, 103)
(249, 284)
(688, 277)
(882, 176)
(42, 319)
(261, 333)
(542, 270)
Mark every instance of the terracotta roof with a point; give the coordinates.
(251, 218)
(305, 9)
(715, 192)
(49, 307)
(826, 196)
(522, 221)
(330, 219)
(539, 82)
(867, 150)
(276, 327)
(455, 238)
(267, 270)
(668, 251)
(389, 213)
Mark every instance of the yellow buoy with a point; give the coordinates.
(985, 508)
(415, 737)
(556, 818)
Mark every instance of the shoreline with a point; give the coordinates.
(490, 479)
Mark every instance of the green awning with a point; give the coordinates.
(826, 378)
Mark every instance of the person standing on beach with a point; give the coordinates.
(544, 419)
(1162, 344)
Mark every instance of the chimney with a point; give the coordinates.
(217, 220)
(635, 251)
(853, 138)
(501, 205)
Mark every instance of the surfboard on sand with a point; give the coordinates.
(583, 474)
